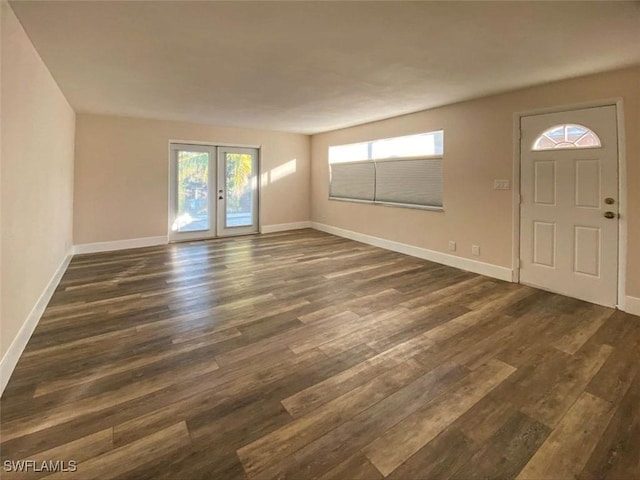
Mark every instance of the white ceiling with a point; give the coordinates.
(315, 66)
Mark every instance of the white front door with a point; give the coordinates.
(569, 203)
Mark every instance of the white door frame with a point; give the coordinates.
(215, 145)
(622, 187)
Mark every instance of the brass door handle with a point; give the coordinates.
(609, 215)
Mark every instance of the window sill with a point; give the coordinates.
(390, 204)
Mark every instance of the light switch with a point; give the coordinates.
(501, 184)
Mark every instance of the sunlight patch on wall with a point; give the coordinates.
(283, 170)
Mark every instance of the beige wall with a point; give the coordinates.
(478, 149)
(122, 174)
(36, 177)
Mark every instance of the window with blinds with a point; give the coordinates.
(354, 181)
(401, 171)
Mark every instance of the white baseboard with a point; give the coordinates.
(120, 244)
(632, 305)
(474, 266)
(282, 227)
(11, 357)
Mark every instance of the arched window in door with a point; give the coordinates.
(568, 135)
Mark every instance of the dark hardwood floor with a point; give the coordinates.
(303, 355)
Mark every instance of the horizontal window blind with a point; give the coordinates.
(405, 171)
(412, 182)
(355, 181)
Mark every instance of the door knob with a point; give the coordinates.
(609, 215)
(220, 197)
(609, 201)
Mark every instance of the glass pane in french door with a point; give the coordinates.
(193, 192)
(240, 191)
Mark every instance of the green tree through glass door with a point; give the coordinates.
(193, 192)
(240, 193)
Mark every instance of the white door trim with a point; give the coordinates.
(622, 186)
(213, 144)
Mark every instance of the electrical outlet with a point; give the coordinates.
(501, 184)
(452, 246)
(475, 250)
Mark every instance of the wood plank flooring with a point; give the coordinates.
(302, 355)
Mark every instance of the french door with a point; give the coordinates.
(213, 191)
(237, 194)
